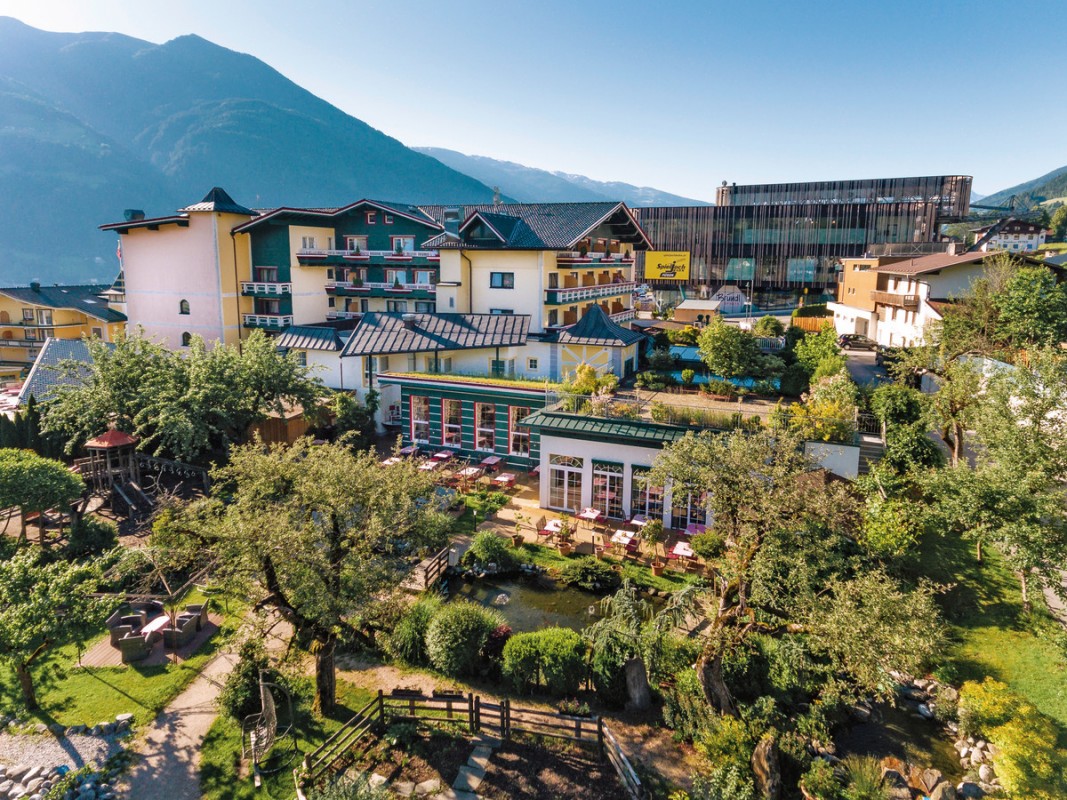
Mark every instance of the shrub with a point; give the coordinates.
(590, 574)
(495, 644)
(814, 347)
(573, 708)
(864, 779)
(488, 548)
(813, 310)
(345, 788)
(240, 694)
(765, 388)
(820, 781)
(685, 708)
(607, 670)
(408, 639)
(724, 388)
(661, 360)
(90, 536)
(457, 635)
(768, 326)
(522, 660)
(733, 782)
(687, 377)
(708, 545)
(829, 366)
(897, 404)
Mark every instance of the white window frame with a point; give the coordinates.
(354, 242)
(484, 435)
(451, 432)
(419, 427)
(518, 438)
(409, 240)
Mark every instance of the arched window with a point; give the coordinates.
(187, 338)
(183, 307)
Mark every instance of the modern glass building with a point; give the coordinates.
(782, 239)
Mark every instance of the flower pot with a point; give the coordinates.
(598, 551)
(517, 540)
(657, 568)
(565, 548)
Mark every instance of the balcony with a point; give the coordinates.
(332, 314)
(574, 294)
(308, 257)
(266, 289)
(575, 257)
(379, 289)
(270, 322)
(623, 316)
(892, 299)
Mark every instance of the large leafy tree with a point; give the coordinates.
(186, 406)
(1033, 308)
(43, 604)
(313, 532)
(816, 348)
(728, 351)
(789, 566)
(36, 484)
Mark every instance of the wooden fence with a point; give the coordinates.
(810, 324)
(473, 713)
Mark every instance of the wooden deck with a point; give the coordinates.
(102, 654)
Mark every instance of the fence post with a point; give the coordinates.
(600, 737)
(381, 708)
(448, 707)
(477, 714)
(470, 711)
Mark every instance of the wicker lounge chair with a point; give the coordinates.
(134, 648)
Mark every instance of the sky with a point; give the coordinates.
(676, 94)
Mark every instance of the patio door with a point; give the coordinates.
(607, 488)
(565, 483)
(645, 499)
(688, 508)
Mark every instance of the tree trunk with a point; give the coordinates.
(979, 551)
(1024, 584)
(957, 443)
(325, 678)
(709, 672)
(40, 528)
(637, 689)
(26, 682)
(22, 519)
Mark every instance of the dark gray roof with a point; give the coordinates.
(218, 200)
(312, 337)
(80, 298)
(382, 334)
(1057, 261)
(414, 213)
(597, 328)
(538, 226)
(44, 378)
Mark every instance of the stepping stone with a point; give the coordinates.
(454, 794)
(377, 780)
(480, 757)
(404, 788)
(488, 741)
(469, 779)
(427, 787)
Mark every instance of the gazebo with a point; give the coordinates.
(112, 460)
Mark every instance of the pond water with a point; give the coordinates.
(905, 735)
(529, 604)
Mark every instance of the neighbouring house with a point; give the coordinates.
(1013, 235)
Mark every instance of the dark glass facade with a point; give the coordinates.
(785, 238)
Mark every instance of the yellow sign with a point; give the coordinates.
(666, 265)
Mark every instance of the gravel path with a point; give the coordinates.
(46, 750)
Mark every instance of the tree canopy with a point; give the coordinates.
(36, 484)
(728, 351)
(186, 406)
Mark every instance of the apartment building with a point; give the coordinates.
(1013, 235)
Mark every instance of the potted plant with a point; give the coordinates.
(517, 538)
(397, 284)
(357, 280)
(565, 537)
(583, 250)
(651, 536)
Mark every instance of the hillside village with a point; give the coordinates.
(485, 498)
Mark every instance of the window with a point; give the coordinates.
(688, 508)
(501, 310)
(302, 357)
(411, 362)
(424, 277)
(183, 307)
(388, 219)
(501, 280)
(425, 307)
(403, 244)
(30, 334)
(452, 423)
(645, 498)
(331, 302)
(485, 426)
(187, 339)
(396, 306)
(520, 436)
(372, 217)
(502, 368)
(395, 276)
(98, 333)
(565, 482)
(354, 243)
(420, 419)
(27, 315)
(553, 318)
(607, 488)
(48, 333)
(364, 305)
(44, 316)
(270, 274)
(307, 242)
(531, 363)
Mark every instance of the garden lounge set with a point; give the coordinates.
(135, 630)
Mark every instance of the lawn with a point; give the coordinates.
(991, 634)
(73, 695)
(220, 755)
(639, 574)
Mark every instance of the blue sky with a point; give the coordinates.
(678, 95)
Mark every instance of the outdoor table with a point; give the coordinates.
(639, 520)
(683, 550)
(392, 460)
(622, 537)
(410, 450)
(554, 525)
(429, 466)
(490, 462)
(590, 514)
(470, 472)
(443, 455)
(693, 528)
(505, 479)
(157, 624)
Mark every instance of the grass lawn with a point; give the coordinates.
(73, 695)
(991, 634)
(221, 752)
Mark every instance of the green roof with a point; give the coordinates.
(581, 426)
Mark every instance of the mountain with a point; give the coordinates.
(1048, 187)
(92, 123)
(529, 184)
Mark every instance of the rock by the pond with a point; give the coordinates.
(767, 769)
(931, 778)
(943, 791)
(925, 711)
(969, 789)
(986, 774)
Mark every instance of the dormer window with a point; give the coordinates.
(372, 217)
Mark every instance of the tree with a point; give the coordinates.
(815, 347)
(1033, 308)
(353, 421)
(769, 326)
(185, 406)
(954, 406)
(728, 351)
(36, 484)
(312, 532)
(1058, 223)
(828, 411)
(41, 605)
(789, 566)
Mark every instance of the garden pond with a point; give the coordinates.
(530, 603)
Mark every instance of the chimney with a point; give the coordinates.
(409, 321)
(133, 214)
(452, 221)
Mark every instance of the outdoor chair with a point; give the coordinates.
(135, 621)
(115, 619)
(134, 648)
(119, 632)
(184, 628)
(200, 611)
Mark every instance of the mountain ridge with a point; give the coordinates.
(1045, 187)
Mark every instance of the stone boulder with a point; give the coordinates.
(767, 769)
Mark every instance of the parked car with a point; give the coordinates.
(856, 341)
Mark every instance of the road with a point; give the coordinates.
(862, 368)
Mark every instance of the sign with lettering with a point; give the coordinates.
(666, 265)
(731, 299)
